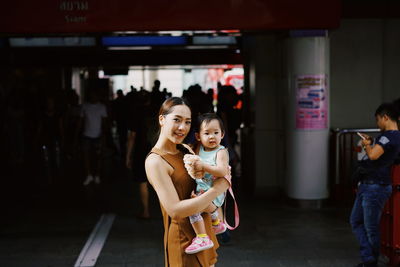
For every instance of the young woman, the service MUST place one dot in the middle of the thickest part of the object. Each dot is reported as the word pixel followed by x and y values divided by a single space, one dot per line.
pixel 166 173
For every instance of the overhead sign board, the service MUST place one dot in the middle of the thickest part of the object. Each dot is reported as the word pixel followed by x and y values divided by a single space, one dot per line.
pixel 93 16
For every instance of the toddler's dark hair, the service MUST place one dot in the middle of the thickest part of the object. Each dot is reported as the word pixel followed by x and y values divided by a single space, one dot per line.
pixel 206 118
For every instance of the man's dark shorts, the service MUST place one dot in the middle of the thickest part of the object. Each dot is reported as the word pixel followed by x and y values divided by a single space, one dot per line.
pixel 91 145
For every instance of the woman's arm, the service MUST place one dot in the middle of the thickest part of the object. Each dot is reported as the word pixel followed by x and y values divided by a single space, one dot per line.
pixel 219 170
pixel 159 174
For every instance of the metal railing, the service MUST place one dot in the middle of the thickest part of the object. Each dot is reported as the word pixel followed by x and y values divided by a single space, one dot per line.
pixel 345 151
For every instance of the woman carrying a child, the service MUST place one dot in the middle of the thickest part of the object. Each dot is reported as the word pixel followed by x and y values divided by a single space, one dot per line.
pixel 167 174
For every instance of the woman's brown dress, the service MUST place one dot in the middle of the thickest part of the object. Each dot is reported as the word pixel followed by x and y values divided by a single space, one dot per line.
pixel 178 233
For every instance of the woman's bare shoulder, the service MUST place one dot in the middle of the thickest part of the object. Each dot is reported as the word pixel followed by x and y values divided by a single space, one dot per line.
pixel 153 157
pixel 156 162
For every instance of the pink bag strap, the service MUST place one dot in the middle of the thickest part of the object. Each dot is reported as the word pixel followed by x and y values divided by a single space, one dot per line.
pixel 237 217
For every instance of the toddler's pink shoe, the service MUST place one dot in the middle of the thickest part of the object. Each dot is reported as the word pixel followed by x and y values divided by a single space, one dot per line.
pixel 199 244
pixel 219 228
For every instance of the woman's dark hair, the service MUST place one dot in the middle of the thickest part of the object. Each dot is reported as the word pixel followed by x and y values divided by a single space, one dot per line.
pixel 183 149
pixel 168 104
pixel 389 110
pixel 206 118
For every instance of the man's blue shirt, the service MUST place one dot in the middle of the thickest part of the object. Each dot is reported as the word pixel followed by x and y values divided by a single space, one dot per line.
pixel 379 170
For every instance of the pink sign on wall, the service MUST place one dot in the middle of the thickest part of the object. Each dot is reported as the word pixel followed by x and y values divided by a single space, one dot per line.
pixel 311 102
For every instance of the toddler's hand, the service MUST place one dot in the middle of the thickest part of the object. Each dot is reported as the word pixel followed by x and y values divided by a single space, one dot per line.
pixel 190 162
pixel 198 165
pixel 189 158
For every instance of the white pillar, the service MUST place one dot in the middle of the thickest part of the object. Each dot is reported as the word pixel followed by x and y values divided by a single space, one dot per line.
pixel 307 120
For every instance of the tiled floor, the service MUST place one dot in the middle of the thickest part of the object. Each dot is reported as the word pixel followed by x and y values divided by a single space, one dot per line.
pixel 271 234
pixel 52 230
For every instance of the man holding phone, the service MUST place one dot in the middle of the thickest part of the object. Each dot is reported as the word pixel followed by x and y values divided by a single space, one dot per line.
pixel 374 185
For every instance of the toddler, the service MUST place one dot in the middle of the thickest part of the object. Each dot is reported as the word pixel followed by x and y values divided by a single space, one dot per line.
pixel 215 163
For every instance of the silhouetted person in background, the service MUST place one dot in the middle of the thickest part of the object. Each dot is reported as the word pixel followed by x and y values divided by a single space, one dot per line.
pixel 119 108
pixel 156 97
pixel 50 138
pixel 138 146
pixel 210 100
pixel 197 100
pixel 14 128
pixel 164 93
pixel 130 96
pixel 71 120
pixel 93 118
pixel 227 101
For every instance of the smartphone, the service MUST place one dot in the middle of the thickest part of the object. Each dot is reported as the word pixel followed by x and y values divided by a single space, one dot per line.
pixel 360 135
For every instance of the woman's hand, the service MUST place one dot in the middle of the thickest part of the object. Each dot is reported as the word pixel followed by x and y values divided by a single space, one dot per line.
pixel 210 208
pixel 228 176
